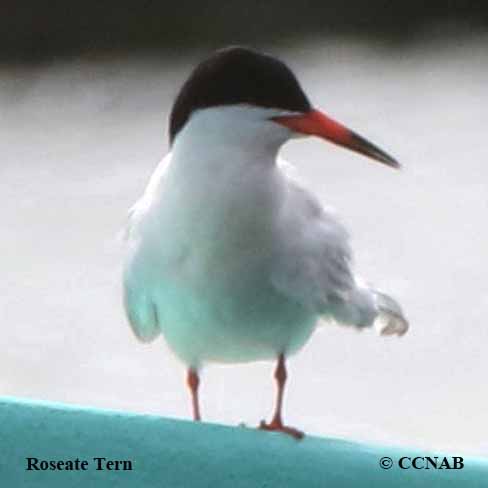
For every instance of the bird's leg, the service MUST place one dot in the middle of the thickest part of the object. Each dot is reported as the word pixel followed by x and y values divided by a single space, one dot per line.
pixel 277 422
pixel 193 381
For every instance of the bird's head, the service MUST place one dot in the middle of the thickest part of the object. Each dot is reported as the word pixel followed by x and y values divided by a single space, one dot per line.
pixel 239 93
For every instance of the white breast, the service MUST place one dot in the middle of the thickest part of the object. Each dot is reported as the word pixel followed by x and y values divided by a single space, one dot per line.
pixel 202 241
pixel 230 258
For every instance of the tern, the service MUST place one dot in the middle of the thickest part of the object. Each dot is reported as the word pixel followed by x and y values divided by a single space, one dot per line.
pixel 228 255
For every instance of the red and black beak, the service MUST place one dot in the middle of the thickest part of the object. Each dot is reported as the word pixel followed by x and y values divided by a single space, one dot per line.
pixel 316 123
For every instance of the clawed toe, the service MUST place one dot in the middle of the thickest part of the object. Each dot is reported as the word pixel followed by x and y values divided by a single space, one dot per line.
pixel 279 427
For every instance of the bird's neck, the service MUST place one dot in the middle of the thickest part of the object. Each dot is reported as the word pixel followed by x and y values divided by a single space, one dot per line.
pixel 227 139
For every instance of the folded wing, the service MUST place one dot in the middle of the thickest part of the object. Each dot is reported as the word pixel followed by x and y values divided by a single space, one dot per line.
pixel 313 267
pixel 138 303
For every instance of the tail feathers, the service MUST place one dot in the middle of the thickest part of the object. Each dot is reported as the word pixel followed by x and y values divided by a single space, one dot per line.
pixel 390 319
pixel 365 307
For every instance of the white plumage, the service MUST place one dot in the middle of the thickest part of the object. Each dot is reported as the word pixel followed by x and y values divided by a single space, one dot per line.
pixel 230 258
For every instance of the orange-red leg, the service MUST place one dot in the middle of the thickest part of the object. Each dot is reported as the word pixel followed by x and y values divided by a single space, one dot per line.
pixel 277 421
pixel 193 381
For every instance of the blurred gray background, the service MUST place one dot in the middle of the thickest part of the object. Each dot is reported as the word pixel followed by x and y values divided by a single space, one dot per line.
pixel 85 92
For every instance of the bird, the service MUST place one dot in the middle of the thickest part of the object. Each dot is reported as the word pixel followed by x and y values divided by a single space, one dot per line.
pixel 228 255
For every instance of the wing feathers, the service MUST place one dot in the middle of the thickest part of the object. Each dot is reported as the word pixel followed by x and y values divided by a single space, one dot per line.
pixel 142 315
pixel 313 267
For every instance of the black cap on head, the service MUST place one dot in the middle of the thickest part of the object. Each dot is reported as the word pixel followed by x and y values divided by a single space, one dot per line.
pixel 236 75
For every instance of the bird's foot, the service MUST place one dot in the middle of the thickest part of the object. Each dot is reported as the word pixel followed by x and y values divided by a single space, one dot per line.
pixel 278 426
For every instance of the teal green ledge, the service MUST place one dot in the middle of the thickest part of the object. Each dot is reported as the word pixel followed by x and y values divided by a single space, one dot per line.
pixel 172 453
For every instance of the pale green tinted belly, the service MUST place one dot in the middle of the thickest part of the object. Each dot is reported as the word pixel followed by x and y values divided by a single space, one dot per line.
pixel 233 325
